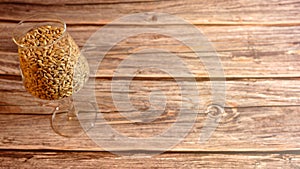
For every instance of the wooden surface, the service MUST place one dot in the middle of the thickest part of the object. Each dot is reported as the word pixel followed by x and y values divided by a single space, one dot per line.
pixel 259 47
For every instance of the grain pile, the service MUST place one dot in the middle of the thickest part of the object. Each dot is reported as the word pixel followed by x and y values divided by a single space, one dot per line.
pixel 51 63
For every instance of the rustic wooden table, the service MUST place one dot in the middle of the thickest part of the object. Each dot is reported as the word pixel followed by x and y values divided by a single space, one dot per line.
pixel 259 47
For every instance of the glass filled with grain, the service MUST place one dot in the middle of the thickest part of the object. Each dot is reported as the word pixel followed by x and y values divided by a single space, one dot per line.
pixel 52 67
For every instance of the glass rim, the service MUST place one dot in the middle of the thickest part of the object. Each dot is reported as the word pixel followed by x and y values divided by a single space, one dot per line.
pixel 44 18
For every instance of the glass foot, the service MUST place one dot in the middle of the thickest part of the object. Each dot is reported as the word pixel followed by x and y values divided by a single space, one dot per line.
pixel 66 124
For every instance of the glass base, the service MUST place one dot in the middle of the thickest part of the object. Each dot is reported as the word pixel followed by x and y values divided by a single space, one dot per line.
pixel 66 124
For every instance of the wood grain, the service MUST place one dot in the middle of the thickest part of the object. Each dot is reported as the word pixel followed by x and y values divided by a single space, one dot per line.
pixel 197 12
pixel 242 93
pixel 257 42
pixel 169 160
pixel 241 129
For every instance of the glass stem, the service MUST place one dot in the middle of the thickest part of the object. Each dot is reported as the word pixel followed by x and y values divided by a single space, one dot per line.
pixel 64 119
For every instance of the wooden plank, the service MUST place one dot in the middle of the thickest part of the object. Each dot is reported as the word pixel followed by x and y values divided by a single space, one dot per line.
pixel 241 129
pixel 168 160
pixel 70 2
pixel 243 51
pixel 197 12
pixel 242 93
